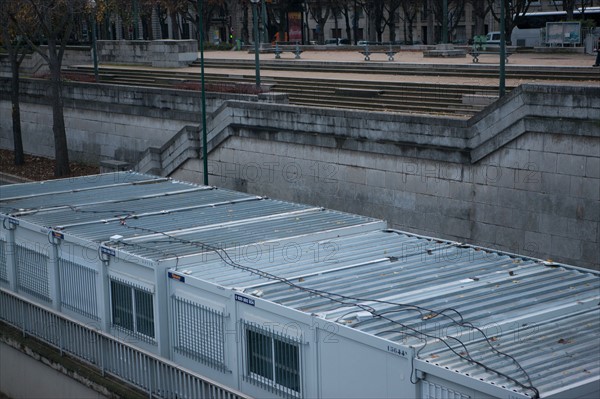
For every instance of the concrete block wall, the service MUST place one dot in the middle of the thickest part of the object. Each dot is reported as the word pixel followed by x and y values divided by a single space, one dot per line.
pixel 92 135
pixel 104 121
pixel 522 177
pixel 34 64
pixel 534 197
pixel 157 53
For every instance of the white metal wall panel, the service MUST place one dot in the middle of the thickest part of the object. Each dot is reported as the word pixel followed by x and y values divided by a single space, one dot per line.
pixel 32 272
pixel 434 391
pixel 3 272
pixel 199 333
pixel 78 288
pixel 150 373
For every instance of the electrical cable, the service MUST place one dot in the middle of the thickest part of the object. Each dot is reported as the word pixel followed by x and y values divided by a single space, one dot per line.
pixel 349 300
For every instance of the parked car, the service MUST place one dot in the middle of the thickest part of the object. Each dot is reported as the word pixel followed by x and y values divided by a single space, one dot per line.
pixel 492 39
pixel 336 41
pixel 366 42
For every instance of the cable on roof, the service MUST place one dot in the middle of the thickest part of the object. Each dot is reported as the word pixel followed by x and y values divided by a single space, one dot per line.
pixel 349 300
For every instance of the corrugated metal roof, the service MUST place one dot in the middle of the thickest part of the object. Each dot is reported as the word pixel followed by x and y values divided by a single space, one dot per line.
pixel 179 216
pixel 73 184
pixel 401 268
pixel 243 231
pixel 411 290
pixel 424 292
pixel 556 354
pixel 103 195
pixel 158 218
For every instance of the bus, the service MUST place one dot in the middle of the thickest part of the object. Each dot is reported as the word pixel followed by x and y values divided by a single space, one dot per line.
pixel 530 28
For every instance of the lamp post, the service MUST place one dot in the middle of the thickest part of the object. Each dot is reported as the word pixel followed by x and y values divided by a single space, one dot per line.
pixel 202 91
pixel 502 82
pixel 136 17
pixel 445 21
pixel 94 47
pixel 355 23
pixel 256 39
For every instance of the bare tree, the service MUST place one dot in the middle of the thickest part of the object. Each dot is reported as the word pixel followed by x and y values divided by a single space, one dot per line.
pixel 512 8
pixel 392 7
pixel 456 10
pixel 16 48
pixel 320 10
pixel 375 11
pixel 568 6
pixel 480 11
pixel 344 8
pixel 55 19
pixel 410 9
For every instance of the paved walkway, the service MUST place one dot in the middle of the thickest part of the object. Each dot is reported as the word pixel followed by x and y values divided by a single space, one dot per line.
pixel 403 58
pixel 409 58
pixel 416 57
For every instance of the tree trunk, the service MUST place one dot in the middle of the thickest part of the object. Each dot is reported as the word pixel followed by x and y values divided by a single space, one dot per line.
pixel 430 23
pixel 175 26
pixel 16 112
pixel 335 26
pixel 321 32
pixel 61 152
pixel 479 25
pixel 282 28
pixel 372 34
pixel 348 25
pixel 569 7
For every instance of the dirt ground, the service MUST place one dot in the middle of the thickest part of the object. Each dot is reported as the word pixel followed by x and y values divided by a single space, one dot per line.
pixel 39 168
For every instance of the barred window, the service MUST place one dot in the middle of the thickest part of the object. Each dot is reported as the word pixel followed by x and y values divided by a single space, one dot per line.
pixel 32 272
pixel 3 271
pixel 132 308
pixel 199 333
pixel 78 288
pixel 272 360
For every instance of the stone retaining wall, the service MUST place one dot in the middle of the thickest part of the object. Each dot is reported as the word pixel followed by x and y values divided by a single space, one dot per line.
pixel 522 176
pixel 158 53
pixel 104 121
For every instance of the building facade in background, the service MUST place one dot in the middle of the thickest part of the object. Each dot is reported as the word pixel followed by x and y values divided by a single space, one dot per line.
pixel 316 21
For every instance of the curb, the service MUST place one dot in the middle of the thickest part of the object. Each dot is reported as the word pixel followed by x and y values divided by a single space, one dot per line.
pixel 13 179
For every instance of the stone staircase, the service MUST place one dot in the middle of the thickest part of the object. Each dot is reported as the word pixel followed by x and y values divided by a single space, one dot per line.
pixel 445 139
pixel 186 144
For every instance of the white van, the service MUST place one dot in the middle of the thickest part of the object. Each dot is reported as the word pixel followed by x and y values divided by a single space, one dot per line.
pixel 492 39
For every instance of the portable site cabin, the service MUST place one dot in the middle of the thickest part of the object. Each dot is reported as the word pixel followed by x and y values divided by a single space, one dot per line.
pixel 278 299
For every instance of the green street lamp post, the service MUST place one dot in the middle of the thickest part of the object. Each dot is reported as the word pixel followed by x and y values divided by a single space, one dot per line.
pixel 136 17
pixel 502 82
pixel 445 21
pixel 265 30
pixel 202 91
pixel 256 39
pixel 94 47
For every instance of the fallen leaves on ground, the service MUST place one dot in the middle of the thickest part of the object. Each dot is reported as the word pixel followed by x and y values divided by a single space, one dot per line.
pixel 40 168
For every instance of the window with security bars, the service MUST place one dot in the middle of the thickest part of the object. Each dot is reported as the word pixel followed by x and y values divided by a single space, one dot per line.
pixel 3 266
pixel 199 333
pixel 32 272
pixel 272 361
pixel 132 309
pixel 434 391
pixel 78 288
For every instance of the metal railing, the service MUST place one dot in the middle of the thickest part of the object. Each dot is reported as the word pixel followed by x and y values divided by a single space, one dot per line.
pixel 159 378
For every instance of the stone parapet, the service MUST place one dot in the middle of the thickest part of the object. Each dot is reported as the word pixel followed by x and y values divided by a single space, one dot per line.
pixel 157 53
